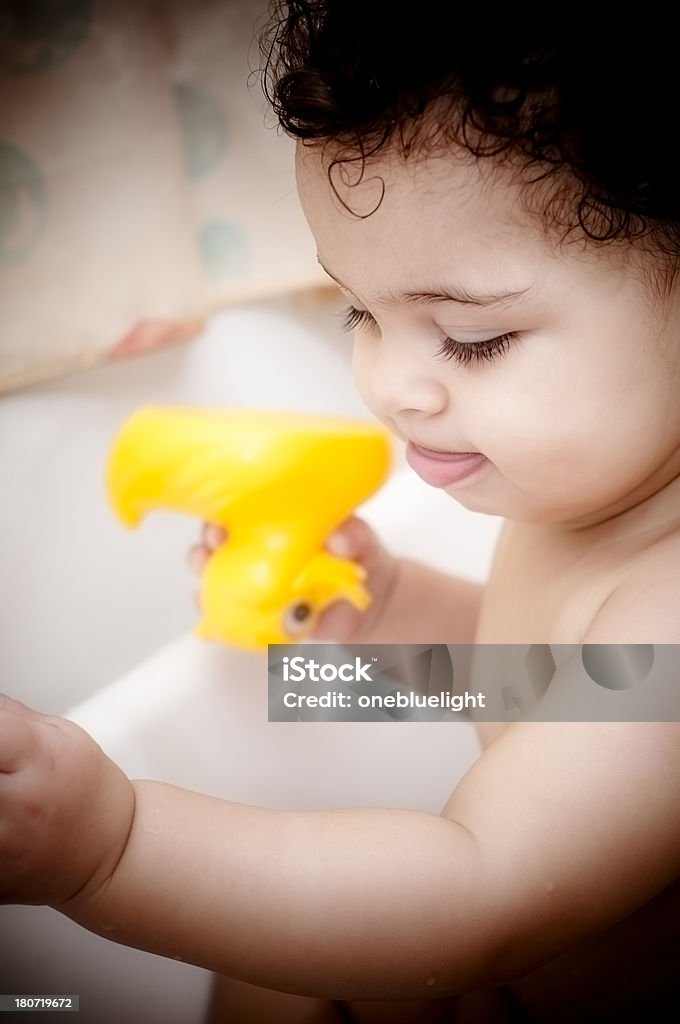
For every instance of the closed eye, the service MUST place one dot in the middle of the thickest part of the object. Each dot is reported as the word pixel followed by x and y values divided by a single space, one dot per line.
pixel 478 351
pixel 353 318
pixel 463 353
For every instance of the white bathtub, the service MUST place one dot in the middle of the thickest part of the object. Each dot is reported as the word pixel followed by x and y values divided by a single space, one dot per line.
pixel 195 714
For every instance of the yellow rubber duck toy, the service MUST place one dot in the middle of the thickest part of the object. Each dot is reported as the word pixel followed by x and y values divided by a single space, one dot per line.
pixel 279 482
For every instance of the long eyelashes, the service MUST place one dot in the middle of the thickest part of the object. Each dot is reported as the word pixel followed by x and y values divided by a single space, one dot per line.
pixel 353 318
pixel 464 355
pixel 480 351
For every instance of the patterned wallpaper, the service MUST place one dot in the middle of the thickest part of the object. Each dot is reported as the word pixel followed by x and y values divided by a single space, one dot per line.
pixel 143 184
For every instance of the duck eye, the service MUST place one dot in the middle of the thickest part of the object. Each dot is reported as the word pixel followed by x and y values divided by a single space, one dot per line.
pixel 297 617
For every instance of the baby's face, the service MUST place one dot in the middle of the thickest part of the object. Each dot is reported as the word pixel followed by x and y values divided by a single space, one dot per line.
pixel 577 417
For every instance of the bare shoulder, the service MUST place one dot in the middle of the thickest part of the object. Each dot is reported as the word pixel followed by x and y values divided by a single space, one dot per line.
pixel 644 605
pixel 577 826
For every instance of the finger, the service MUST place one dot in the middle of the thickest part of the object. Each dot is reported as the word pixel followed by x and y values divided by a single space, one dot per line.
pixel 353 538
pixel 16 707
pixel 17 738
pixel 338 622
pixel 197 557
pixel 213 536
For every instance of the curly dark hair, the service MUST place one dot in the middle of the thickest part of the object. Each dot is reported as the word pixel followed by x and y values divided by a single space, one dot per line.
pixel 590 115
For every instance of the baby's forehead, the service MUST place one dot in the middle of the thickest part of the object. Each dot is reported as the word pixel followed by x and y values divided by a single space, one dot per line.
pixel 441 192
pixel 423 211
pixel 448 216
pixel 423 178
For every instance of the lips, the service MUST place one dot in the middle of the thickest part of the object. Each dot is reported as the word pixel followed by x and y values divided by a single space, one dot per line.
pixel 440 468
pixel 436 453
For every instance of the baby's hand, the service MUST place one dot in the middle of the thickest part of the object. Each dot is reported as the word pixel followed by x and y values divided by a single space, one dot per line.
pixel 65 809
pixel 353 539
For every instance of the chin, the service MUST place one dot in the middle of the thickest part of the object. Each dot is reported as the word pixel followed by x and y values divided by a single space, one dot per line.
pixel 513 506
pixel 476 502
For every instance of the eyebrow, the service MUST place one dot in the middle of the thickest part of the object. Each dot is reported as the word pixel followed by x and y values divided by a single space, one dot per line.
pixel 456 294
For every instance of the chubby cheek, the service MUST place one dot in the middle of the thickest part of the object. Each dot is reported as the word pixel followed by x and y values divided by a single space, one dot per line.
pixel 542 427
pixel 569 439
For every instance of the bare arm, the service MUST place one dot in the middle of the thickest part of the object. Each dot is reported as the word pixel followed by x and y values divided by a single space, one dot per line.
pixel 555 833
pixel 429 607
pixel 363 903
pixel 558 831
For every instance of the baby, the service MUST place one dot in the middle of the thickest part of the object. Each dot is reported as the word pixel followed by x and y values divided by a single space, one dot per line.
pixel 499 217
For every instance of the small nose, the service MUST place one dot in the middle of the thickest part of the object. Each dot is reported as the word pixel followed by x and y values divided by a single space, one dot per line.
pixel 398 376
